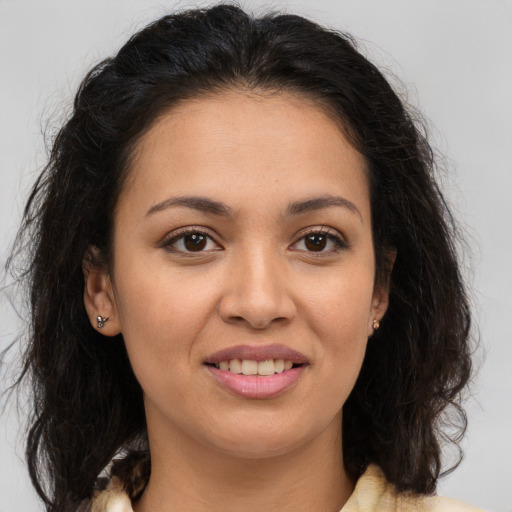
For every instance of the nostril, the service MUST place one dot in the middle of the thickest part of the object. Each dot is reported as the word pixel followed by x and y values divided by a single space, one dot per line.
pixel 256 310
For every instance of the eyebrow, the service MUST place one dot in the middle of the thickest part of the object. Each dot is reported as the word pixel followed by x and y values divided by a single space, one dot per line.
pixel 319 203
pixel 207 205
pixel 202 204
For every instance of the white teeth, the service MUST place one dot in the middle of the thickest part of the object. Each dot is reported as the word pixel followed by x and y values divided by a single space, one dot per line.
pixel 251 367
pixel 235 366
pixel 266 367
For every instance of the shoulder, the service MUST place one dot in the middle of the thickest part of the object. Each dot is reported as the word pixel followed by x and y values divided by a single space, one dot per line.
pixel 373 493
pixel 441 504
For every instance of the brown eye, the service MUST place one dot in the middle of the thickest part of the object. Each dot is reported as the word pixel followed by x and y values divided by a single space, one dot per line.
pixel 315 242
pixel 320 242
pixel 195 242
pixel 190 242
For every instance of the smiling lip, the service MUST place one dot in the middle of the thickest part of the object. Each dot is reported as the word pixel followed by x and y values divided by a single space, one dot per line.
pixel 257 353
pixel 257 386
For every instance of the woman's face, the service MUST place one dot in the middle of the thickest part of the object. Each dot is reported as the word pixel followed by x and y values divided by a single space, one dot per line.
pixel 243 243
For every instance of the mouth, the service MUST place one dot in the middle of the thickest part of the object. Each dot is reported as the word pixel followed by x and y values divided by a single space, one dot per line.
pixel 257 371
pixel 252 367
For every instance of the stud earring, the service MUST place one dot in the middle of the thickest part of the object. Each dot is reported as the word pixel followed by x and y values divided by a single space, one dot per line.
pixel 100 321
pixel 376 324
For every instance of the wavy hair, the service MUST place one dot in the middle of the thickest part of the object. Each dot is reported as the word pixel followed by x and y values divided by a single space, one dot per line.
pixel 87 405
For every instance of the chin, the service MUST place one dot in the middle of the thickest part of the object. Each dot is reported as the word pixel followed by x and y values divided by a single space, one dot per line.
pixel 260 449
pixel 262 440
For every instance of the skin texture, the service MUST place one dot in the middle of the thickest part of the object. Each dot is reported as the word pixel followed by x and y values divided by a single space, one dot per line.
pixel 255 282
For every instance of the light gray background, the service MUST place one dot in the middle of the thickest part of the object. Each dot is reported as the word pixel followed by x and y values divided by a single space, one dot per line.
pixel 455 57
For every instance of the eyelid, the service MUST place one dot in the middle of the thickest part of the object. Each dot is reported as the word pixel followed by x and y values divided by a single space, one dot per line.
pixel 334 234
pixel 173 236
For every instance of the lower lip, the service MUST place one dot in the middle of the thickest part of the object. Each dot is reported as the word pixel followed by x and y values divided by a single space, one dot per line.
pixel 254 386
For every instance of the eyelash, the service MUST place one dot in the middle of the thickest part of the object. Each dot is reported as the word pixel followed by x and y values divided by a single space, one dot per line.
pixel 339 243
pixel 168 242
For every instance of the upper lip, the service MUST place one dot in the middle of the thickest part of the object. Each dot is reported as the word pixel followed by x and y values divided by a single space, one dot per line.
pixel 257 353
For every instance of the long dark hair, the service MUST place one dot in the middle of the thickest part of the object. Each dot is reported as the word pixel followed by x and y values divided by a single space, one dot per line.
pixel 87 404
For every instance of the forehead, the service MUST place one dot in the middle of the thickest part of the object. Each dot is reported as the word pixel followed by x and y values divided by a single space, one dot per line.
pixel 235 143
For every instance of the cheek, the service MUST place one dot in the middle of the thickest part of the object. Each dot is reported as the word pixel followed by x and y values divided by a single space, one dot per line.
pixel 162 315
pixel 340 307
pixel 339 315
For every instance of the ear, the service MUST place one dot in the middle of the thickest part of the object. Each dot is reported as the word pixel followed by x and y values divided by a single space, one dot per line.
pixel 380 298
pixel 99 299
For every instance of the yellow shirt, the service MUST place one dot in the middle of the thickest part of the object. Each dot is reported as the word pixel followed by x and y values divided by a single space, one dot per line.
pixel 373 493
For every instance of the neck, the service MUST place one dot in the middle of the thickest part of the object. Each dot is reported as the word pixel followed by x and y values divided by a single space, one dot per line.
pixel 188 476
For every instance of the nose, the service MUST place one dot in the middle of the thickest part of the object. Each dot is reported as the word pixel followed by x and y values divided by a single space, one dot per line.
pixel 256 292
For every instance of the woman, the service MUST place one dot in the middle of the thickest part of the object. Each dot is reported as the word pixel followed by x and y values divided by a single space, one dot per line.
pixel 243 281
